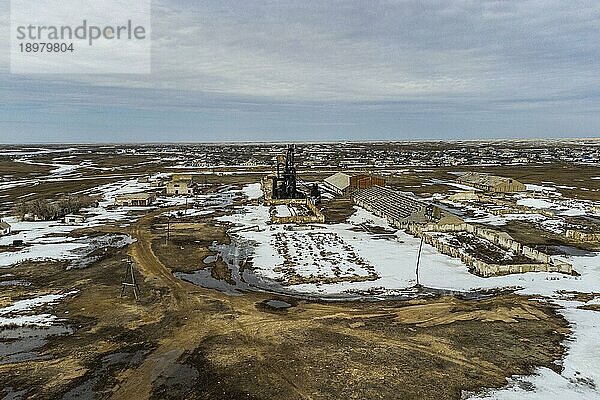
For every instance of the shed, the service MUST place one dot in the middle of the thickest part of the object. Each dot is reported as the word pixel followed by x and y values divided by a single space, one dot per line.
pixel 4 228
pixel 74 219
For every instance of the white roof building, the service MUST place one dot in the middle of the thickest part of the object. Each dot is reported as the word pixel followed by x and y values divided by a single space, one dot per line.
pixel 339 182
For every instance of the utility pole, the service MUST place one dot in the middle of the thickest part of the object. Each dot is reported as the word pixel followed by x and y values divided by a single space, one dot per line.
pixel 419 259
pixel 168 229
pixel 130 275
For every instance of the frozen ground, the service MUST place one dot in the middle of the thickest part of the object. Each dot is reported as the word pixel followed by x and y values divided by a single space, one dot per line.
pixel 393 258
pixel 581 371
pixel 535 203
pixel 552 204
pixel 252 191
pixel 49 240
pixel 282 211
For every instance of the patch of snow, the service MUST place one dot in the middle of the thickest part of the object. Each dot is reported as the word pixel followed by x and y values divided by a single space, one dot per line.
pixel 19 313
pixel 253 191
pixel 573 212
pixel 282 211
pixel 28 320
pixel 192 212
pixel 539 188
pixel 535 203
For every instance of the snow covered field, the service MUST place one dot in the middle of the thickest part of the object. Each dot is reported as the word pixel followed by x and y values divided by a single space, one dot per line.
pixel 309 259
pixel 394 259
pixel 580 376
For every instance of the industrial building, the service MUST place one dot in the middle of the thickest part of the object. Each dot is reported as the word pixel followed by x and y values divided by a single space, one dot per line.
pixel 491 183
pixel 135 199
pixel 343 184
pixel 281 191
pixel 284 183
pixel 399 208
pixel 451 235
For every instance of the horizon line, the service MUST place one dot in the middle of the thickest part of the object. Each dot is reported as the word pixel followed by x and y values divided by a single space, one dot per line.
pixel 372 141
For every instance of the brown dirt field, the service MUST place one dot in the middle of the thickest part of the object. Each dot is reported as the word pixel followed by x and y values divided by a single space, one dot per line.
pixel 21 170
pixel 337 209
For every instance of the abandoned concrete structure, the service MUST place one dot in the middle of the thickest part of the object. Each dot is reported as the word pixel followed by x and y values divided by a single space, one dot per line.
pixel 491 183
pixel 422 219
pixel 135 199
pixel 497 206
pixel 343 184
pixel 469 195
pixel 538 260
pixel 312 216
pixel 583 236
pixel 312 213
pixel 180 187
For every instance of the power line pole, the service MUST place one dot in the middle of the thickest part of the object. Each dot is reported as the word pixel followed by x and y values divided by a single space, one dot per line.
pixel 130 275
pixel 419 259
pixel 168 229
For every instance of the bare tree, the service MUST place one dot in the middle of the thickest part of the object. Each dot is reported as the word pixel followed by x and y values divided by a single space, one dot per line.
pixel 47 210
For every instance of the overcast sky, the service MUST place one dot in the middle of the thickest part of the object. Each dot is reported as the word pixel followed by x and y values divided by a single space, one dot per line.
pixel 328 70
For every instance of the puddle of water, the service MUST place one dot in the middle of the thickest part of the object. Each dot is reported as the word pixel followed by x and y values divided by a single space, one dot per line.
pixel 85 390
pixel 15 283
pixel 204 279
pixel 19 344
pixel 235 256
pixel 278 304
pixel 11 394
pixel 210 259
pixel 572 251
